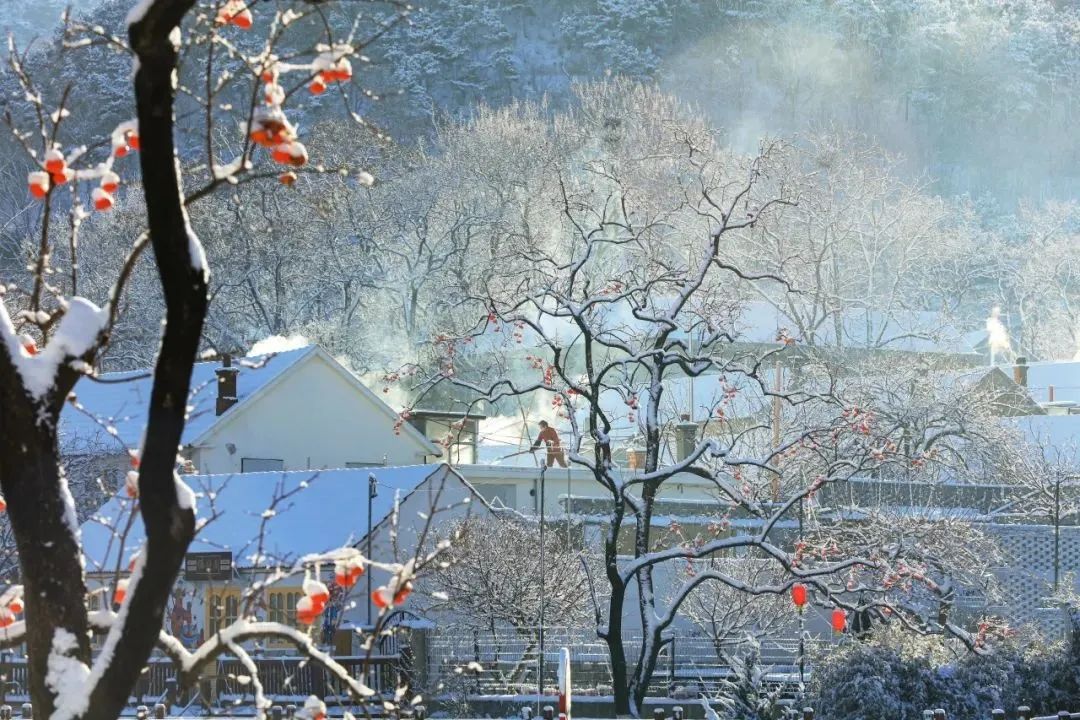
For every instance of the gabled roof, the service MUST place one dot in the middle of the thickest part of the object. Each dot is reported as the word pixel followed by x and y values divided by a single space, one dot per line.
pixel 1006 397
pixel 327 509
pixel 118 402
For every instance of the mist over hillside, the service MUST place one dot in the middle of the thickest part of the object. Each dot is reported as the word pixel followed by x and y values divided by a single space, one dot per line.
pixel 983 97
pixel 967 106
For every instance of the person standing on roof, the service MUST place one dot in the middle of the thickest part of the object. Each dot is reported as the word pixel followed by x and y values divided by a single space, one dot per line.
pixel 549 437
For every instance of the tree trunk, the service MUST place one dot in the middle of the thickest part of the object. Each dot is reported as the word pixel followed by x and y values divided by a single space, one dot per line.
pixel 616 651
pixel 616 603
pixel 43 519
pixel 170 525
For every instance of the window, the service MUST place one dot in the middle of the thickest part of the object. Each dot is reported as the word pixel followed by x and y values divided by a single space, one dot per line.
pixel 222 610
pixel 208 566
pixel 455 433
pixel 283 606
pixel 261 465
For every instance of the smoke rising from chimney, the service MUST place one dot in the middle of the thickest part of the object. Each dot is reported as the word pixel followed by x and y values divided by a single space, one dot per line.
pixel 998 335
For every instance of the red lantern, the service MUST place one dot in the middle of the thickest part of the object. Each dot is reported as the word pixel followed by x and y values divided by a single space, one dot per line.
pixel 3 504
pixel 839 620
pixel 121 592
pixel 798 595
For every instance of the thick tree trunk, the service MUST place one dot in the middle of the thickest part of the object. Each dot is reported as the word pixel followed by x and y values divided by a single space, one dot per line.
pixel 616 604
pixel 43 521
pixel 170 525
pixel 616 651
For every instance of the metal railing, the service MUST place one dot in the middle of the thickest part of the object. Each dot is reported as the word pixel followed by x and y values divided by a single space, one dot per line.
pixel 507 663
pixel 225 681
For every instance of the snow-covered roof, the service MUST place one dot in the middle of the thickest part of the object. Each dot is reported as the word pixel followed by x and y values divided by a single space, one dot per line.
pixel 118 402
pixel 1064 377
pixel 327 510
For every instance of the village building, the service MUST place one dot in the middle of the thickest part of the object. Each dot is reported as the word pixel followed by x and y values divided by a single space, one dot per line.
pixel 256 524
pixel 294 410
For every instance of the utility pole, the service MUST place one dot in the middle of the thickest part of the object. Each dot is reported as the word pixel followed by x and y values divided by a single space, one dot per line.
pixel 543 594
pixel 1057 531
pixel 802 617
pixel 372 492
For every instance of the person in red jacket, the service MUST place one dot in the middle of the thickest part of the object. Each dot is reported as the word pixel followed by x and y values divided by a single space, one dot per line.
pixel 550 438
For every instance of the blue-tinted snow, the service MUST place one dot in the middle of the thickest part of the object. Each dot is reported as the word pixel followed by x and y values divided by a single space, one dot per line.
pixel 1063 376
pixel 121 401
pixel 329 513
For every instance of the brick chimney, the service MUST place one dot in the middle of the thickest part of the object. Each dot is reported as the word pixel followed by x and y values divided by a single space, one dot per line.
pixel 226 384
pixel 1020 372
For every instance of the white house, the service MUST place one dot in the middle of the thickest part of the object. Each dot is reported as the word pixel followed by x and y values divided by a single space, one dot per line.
pixel 295 410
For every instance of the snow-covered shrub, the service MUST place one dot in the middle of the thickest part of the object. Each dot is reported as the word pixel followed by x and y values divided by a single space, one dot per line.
pixel 873 681
pixel 890 678
pixel 746 695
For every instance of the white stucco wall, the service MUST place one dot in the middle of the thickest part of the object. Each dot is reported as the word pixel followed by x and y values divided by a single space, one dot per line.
pixel 312 418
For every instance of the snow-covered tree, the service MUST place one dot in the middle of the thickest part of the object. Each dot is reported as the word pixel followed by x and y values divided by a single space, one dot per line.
pixel 250 68
pixel 491 578
pixel 635 289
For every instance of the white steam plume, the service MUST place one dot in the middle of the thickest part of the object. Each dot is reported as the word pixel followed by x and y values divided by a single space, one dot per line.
pixel 997 334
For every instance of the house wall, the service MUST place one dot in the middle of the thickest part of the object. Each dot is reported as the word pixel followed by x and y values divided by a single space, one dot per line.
pixel 312 418
pixel 453 500
pixel 517 488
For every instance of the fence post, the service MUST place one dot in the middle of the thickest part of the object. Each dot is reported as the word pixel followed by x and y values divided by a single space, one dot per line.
pixel 671 667
pixel 677 713
pixel 527 712
pixel 171 691
pixel 939 714
pixel 659 714
pixel 5 712
pixel 549 712
pixel 1023 712
pixel 142 712
pixel 27 711
pixel 276 712
pixel 290 711
pixel 159 711
pixel 808 713
pixel 1064 715
pixel 420 712
pixel 997 714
